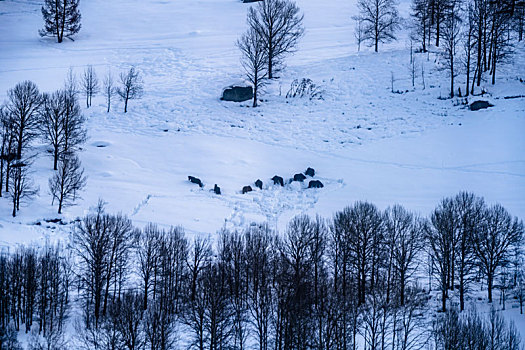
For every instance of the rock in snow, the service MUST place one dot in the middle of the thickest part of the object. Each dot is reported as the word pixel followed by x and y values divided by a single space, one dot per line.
pixel 237 93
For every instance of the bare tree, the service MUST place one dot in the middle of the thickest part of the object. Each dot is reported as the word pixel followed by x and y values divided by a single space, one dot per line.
pixel 469 45
pixel 404 233
pixel 109 88
pixel 73 125
pixel 7 151
pixel 67 182
pixel 469 210
pixel 422 20
pixel 279 26
pixel 24 103
pixel 441 245
pixel 259 255
pixel 358 31
pixel 128 315
pixel 380 21
pixel 102 244
pixel 131 87
pixel 51 122
pixel 90 84
pixel 21 186
pixel 61 19
pixel 254 60
pixel 62 124
pixel 493 242
pixel 451 34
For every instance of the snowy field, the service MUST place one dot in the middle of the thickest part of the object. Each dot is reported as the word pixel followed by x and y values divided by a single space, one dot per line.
pixel 365 142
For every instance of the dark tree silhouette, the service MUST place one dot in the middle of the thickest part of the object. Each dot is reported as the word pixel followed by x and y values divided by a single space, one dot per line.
pixel 380 21
pixel 67 182
pixel 24 103
pixel 279 25
pixel 131 87
pixel 90 84
pixel 61 19
pixel 254 60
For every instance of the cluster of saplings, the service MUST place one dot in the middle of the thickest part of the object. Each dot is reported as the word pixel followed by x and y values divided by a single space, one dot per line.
pixel 56 119
pixel 322 284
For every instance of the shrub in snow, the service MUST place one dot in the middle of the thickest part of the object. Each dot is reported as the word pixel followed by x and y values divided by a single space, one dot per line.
pixel 305 88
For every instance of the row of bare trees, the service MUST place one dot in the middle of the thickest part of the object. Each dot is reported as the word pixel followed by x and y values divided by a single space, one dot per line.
pixel 476 36
pixel 319 285
pixel 131 86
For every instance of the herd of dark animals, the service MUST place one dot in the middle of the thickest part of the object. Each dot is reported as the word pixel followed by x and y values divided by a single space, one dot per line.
pixel 277 180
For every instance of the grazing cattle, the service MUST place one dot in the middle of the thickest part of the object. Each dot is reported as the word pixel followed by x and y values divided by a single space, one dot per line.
pixel 277 180
pixel 299 177
pixel 246 189
pixel 259 184
pixel 315 184
pixel 310 172
pixel 216 189
pixel 195 180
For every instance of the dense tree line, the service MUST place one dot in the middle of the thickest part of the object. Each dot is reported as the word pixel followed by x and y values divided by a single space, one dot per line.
pixel 476 36
pixel 319 285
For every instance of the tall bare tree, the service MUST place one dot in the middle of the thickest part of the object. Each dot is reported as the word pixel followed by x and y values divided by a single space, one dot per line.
pixel 132 86
pixel 441 245
pixel 380 21
pixel 7 151
pixel 109 88
pixel 67 182
pixel 254 60
pixel 451 34
pixel 493 242
pixel 21 186
pixel 279 25
pixel 24 103
pixel 90 84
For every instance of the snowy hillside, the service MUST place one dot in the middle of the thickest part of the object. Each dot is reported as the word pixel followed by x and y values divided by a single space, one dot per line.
pixel 376 135
pixel 365 142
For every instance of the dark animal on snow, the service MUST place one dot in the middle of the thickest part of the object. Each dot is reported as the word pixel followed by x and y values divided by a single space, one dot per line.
pixel 277 180
pixel 195 180
pixel 216 189
pixel 299 177
pixel 310 172
pixel 477 105
pixel 315 184
pixel 246 189
pixel 259 184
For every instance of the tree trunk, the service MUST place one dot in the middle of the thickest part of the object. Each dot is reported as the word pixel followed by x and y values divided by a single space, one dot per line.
pixel 489 286
pixel 55 159
pixel 255 95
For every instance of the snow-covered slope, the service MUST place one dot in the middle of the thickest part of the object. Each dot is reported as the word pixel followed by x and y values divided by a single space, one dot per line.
pixel 365 142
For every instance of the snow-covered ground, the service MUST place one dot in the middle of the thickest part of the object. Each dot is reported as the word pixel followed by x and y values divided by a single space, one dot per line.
pixel 365 142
